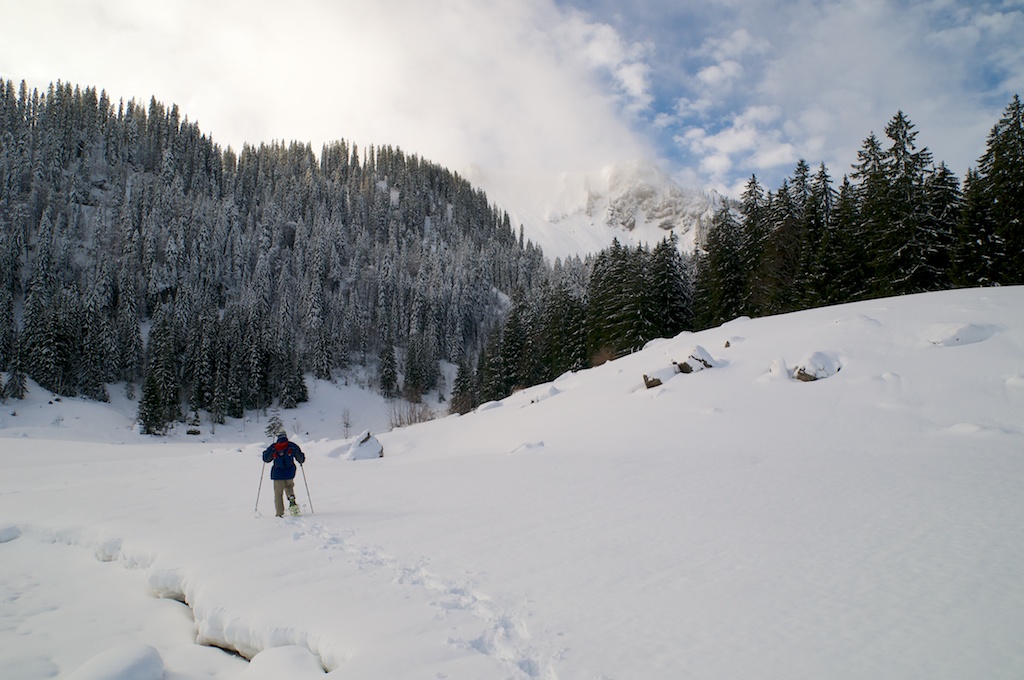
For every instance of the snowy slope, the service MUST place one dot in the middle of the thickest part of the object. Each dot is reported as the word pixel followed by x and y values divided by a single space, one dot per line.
pixel 580 213
pixel 732 522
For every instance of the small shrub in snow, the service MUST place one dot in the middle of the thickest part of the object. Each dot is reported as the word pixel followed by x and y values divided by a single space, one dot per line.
pixel 602 356
pixel 402 413
pixel 274 425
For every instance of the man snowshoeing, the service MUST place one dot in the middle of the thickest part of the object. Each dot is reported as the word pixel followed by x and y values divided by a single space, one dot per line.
pixel 284 454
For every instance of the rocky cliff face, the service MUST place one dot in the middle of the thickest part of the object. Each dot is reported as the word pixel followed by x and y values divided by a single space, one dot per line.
pixel 640 195
pixel 580 213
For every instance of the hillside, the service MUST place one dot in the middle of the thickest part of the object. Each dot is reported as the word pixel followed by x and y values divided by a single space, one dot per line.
pixel 138 250
pixel 730 522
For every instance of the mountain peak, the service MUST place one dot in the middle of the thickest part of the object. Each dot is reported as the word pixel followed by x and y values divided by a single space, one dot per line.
pixel 578 213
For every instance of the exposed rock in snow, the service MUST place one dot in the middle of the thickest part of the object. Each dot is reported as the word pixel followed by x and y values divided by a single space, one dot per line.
pixel 652 381
pixel 697 360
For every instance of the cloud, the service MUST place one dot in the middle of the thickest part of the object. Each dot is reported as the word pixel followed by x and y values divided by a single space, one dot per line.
pixel 549 85
pixel 721 74
pixel 505 85
pixel 736 45
pixel 749 141
pixel 832 72
pixel 604 51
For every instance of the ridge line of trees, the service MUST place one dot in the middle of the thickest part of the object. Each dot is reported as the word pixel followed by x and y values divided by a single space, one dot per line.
pixel 135 250
pixel 897 224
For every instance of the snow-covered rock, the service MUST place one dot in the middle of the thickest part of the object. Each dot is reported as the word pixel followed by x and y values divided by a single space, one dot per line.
pixel 365 447
pixel 817 366
pixel 697 359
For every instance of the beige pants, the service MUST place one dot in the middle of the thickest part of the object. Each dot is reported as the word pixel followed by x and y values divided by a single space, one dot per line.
pixel 282 488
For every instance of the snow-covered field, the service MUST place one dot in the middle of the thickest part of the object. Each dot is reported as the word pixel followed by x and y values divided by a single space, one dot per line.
pixel 732 522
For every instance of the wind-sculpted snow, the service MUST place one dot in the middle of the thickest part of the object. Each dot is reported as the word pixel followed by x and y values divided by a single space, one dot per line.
pixel 9 533
pixel 730 523
pixel 291 662
pixel 129 662
pixel 949 335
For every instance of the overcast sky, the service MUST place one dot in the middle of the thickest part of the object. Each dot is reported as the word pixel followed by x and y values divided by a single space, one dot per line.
pixel 714 90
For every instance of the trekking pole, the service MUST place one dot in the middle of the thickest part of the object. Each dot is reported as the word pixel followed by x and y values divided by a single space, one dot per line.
pixel 259 488
pixel 303 468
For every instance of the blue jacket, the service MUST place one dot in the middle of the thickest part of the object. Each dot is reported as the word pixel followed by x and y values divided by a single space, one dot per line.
pixel 283 454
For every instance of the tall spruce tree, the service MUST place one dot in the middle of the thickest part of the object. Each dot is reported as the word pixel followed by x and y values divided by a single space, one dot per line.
pixel 160 404
pixel 388 374
pixel 942 205
pixel 871 183
pixel 491 370
pixel 720 278
pixel 464 398
pixel 819 249
pixel 784 248
pixel 904 241
pixel 17 382
pixel 562 329
pixel 755 235
pixel 670 290
pixel 978 249
pixel 516 347
pixel 1001 184
pixel 849 275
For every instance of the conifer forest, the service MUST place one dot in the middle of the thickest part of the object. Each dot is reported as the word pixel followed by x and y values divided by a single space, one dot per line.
pixel 138 253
